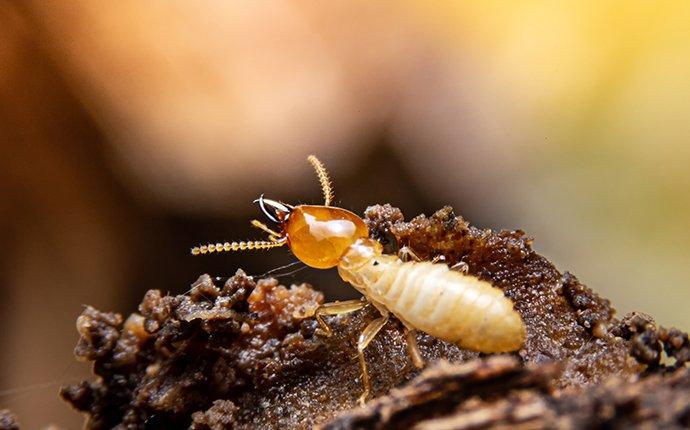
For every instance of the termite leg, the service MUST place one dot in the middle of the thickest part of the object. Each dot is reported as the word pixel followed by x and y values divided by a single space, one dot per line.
pixel 412 348
pixel 406 254
pixel 337 308
pixel 368 334
pixel 439 258
pixel 461 267
pixel 273 235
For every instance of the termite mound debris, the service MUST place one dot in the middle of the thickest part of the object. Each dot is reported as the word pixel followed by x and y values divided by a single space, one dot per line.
pixel 247 354
pixel 500 392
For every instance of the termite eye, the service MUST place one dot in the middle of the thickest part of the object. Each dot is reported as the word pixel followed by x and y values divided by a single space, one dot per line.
pixel 320 235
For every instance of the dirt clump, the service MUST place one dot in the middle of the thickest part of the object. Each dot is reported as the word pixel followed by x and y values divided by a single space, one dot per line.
pixel 248 354
pixel 501 392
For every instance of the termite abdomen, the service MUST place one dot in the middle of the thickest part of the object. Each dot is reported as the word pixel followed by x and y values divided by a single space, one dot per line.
pixel 450 305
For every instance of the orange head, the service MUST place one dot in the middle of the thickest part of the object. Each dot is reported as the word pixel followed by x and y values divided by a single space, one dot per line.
pixel 317 235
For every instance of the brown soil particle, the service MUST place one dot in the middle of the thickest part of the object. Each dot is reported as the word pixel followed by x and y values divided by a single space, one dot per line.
pixel 649 340
pixel 248 354
pixel 220 416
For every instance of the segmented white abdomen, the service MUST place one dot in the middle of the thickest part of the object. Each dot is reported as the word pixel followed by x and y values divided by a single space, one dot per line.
pixel 430 297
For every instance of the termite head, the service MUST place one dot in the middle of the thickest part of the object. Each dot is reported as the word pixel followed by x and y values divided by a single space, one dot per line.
pixel 318 235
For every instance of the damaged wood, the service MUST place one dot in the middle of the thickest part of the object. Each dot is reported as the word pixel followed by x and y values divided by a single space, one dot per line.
pixel 500 392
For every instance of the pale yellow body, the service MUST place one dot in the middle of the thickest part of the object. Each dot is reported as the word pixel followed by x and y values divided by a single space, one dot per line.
pixel 432 298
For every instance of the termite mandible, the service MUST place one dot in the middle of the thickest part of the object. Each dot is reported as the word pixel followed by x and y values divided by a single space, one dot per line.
pixel 426 296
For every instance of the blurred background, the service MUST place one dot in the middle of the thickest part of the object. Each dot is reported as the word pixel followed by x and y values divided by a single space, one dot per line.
pixel 131 131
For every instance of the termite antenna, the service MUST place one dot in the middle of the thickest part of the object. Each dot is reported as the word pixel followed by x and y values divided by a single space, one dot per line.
pixel 237 246
pixel 325 181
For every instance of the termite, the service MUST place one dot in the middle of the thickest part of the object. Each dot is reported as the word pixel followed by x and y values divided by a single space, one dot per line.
pixel 427 296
